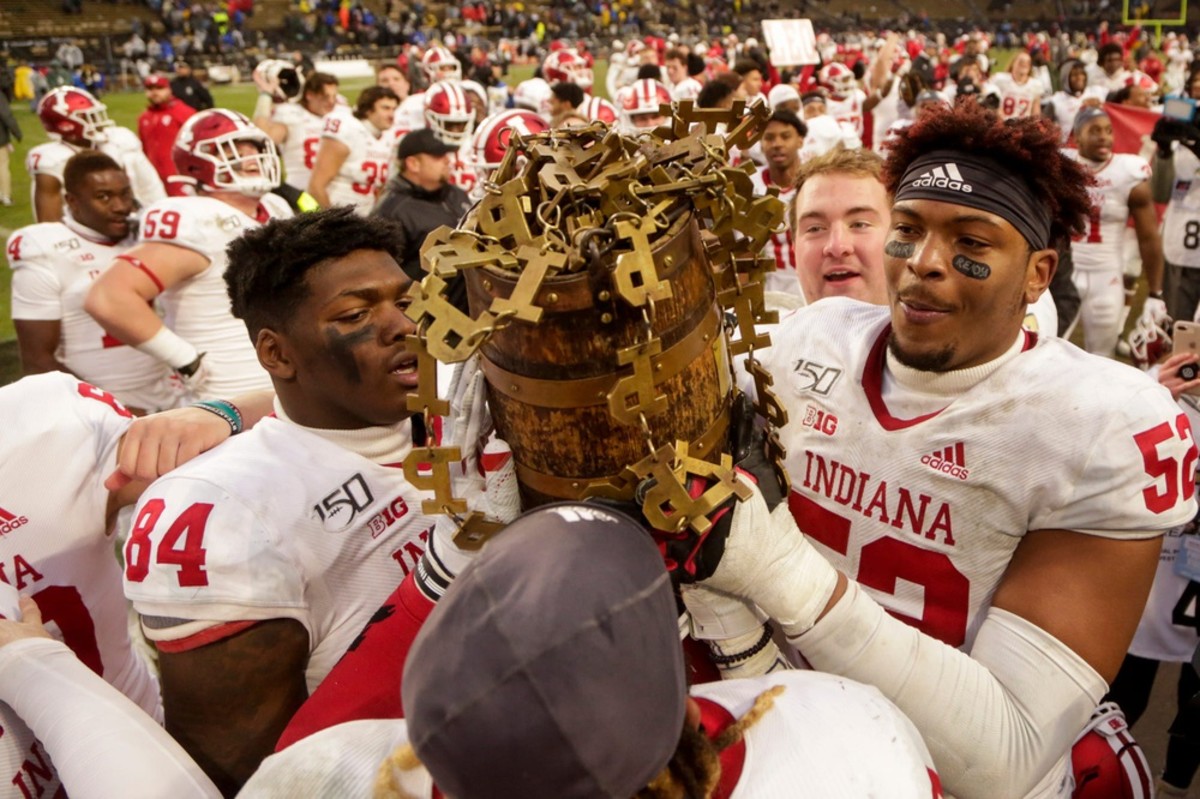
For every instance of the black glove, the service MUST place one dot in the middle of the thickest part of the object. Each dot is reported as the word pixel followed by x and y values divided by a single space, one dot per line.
pixel 1167 130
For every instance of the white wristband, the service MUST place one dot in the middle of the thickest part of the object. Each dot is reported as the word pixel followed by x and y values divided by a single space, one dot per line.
pixel 264 106
pixel 166 346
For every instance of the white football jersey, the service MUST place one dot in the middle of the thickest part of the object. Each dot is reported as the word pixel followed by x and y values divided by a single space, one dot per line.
pixel 1170 626
pixel 925 512
pixel 1181 223
pixel 123 146
pixel 823 736
pixel 60 442
pixel 779 246
pixel 1101 247
pixel 198 308
pixel 410 114
pixel 276 523
pixel 54 265
pixel 1067 105
pixel 1017 99
pixel 299 149
pixel 462 169
pixel 687 89
pixel 848 110
pixel 364 173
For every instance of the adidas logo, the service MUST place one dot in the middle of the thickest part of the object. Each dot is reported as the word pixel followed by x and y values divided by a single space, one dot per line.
pixel 943 177
pixel 10 521
pixel 950 460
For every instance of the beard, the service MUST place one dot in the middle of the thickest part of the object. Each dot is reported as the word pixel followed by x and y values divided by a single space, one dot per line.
pixel 936 361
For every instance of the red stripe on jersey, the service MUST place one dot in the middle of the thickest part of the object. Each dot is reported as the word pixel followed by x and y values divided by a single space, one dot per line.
pixel 872 381
pixel 5 516
pixel 714 719
pixel 138 264
pixel 204 637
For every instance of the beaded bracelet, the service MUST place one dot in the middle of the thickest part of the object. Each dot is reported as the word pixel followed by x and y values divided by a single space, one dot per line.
pixel 226 410
pixel 726 660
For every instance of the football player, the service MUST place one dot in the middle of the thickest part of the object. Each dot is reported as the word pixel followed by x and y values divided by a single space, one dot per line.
pixel 253 569
pixel 75 121
pixel 1074 94
pixel 231 166
pixel 1020 92
pixel 845 101
pixel 781 141
pixel 296 127
pixel 1121 191
pixel 491 141
pixel 62 438
pixel 754 738
pixel 354 156
pixel 450 114
pixel 745 737
pixel 54 265
pixel 641 106
pixel 926 450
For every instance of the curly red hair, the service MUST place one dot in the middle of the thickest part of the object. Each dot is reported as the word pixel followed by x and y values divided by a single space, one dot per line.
pixel 1030 148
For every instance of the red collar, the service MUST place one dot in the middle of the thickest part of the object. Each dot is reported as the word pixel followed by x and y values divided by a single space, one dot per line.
pixel 714 719
pixel 872 382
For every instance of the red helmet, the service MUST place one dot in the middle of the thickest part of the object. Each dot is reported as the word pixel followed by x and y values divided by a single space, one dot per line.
pixel 447 106
pixel 1149 342
pixel 568 66
pixel 642 99
pixel 494 136
pixel 838 78
pixel 75 115
pixel 206 151
pixel 599 109
pixel 1107 761
pixel 438 63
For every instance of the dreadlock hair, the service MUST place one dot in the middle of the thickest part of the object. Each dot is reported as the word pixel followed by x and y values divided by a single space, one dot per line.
pixel 267 266
pixel 695 769
pixel 1028 147
pixel 692 773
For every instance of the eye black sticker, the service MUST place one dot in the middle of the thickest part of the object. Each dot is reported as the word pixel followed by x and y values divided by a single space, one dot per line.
pixel 973 269
pixel 899 249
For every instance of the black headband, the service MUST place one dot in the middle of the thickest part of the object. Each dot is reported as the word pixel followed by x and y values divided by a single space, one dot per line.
pixel 975 181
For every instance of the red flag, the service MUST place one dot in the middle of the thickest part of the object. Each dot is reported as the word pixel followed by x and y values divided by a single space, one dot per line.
pixel 1131 127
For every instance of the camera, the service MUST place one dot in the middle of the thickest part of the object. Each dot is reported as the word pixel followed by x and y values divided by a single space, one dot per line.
pixel 279 77
pixel 1181 108
pixel 1189 371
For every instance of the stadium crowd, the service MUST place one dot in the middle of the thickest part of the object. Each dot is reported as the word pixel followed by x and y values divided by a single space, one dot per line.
pixel 962 584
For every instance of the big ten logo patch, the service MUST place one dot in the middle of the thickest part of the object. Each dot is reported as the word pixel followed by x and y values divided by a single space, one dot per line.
pixel 819 420
pixel 394 512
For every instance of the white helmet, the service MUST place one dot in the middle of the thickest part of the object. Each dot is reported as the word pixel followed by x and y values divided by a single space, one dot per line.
pixel 642 99
pixel 1148 342
pixel 206 154
pixel 438 63
pixel 448 112
pixel 533 95
pixel 493 138
pixel 597 109
pixel 568 66
pixel 838 78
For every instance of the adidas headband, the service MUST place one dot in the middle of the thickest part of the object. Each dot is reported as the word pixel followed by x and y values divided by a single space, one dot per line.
pixel 953 176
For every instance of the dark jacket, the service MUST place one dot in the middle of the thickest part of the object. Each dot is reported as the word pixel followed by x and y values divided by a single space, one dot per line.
pixel 192 92
pixel 9 129
pixel 419 213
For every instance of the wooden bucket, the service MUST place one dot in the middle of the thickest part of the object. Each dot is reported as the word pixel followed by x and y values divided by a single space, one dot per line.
pixel 548 382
